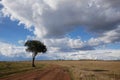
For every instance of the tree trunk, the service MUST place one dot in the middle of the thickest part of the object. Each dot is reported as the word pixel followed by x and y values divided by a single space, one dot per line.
pixel 33 64
pixel 34 54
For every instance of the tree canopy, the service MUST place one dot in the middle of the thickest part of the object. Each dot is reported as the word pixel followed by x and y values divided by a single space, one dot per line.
pixel 35 47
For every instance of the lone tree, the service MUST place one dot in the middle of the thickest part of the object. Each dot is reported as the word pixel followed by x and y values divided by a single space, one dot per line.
pixel 35 47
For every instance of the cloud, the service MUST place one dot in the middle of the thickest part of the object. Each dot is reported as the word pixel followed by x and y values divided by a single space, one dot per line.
pixel 1 16
pixel 12 52
pixel 66 45
pixel 95 55
pixel 78 55
pixel 51 20
pixel 111 36
pixel 21 42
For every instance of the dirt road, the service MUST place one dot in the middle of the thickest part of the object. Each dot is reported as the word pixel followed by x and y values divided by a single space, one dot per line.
pixel 51 73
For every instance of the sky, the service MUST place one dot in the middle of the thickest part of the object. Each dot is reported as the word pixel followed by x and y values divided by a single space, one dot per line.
pixel 71 30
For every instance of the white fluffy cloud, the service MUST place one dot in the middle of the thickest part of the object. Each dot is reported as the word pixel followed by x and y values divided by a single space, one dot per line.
pixel 95 55
pixel 66 45
pixel 111 36
pixel 12 52
pixel 53 19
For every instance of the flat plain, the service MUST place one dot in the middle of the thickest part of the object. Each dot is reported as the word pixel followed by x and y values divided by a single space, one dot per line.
pixel 60 70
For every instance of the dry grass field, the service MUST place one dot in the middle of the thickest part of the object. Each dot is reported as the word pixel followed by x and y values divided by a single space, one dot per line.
pixel 79 70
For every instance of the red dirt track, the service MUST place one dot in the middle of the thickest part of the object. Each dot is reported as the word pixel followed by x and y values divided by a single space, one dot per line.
pixel 53 73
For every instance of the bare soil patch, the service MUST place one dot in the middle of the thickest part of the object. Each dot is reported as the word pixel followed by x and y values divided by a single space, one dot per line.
pixel 51 73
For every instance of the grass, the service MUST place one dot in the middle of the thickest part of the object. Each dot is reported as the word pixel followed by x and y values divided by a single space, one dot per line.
pixel 8 68
pixel 79 70
pixel 91 70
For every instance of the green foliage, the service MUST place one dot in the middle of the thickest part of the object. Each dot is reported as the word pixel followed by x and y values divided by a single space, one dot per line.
pixel 35 46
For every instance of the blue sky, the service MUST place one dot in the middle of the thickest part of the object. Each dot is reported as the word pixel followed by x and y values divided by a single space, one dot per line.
pixel 11 32
pixel 87 26
pixel 80 32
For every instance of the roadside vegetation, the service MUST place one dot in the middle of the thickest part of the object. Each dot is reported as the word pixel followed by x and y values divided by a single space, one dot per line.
pixel 79 70
pixel 10 68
